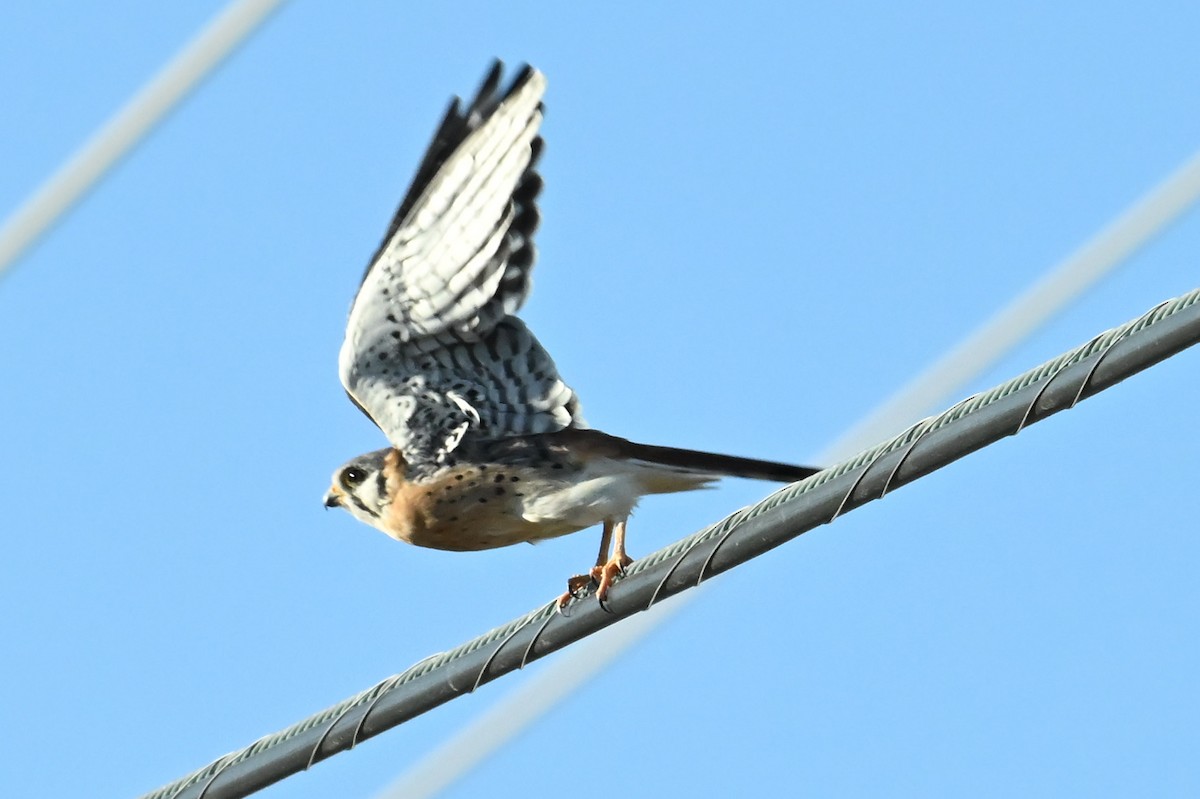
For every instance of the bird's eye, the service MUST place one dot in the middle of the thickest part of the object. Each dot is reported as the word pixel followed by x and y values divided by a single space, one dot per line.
pixel 353 476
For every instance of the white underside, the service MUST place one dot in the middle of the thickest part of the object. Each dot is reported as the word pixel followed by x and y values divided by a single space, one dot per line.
pixel 607 490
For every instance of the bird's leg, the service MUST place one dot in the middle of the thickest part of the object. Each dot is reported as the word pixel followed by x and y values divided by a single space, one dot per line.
pixel 612 568
pixel 605 544
pixel 579 582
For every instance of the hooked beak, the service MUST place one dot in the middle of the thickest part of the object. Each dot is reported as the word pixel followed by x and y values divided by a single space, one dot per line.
pixel 332 500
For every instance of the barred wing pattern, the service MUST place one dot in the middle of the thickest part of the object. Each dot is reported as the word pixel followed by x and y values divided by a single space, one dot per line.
pixel 432 352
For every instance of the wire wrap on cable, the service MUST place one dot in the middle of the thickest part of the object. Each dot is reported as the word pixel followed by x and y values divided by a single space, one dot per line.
pixel 928 445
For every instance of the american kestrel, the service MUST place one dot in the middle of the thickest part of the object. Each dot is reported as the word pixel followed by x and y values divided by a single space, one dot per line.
pixel 488 444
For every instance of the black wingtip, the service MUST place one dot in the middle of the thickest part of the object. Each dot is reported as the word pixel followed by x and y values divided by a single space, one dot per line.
pixel 485 97
pixel 457 123
pixel 488 96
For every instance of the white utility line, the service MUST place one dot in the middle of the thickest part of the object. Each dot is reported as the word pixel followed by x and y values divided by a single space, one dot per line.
pixel 1069 278
pixel 511 714
pixel 129 125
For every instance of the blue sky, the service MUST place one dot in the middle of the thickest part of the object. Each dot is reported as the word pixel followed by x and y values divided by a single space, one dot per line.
pixel 757 225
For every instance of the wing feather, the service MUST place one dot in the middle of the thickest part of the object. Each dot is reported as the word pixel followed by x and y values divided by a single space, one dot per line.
pixel 432 352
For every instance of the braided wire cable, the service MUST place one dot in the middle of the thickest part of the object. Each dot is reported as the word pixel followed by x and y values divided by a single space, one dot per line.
pixel 930 444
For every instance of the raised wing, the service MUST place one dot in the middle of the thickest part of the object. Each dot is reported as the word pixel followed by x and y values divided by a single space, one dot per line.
pixel 432 353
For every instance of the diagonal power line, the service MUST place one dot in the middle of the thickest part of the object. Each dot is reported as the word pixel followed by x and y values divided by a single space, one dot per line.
pixel 1132 229
pixel 1056 385
pixel 129 125
pixel 1136 226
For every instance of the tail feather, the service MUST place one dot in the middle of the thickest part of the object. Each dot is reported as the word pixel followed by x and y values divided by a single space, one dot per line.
pixel 689 460
pixel 714 463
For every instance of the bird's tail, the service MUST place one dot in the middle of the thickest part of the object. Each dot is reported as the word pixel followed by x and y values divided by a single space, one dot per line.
pixel 714 463
pixel 688 460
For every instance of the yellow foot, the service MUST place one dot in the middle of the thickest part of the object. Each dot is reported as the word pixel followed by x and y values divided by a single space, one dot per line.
pixel 606 574
pixel 575 587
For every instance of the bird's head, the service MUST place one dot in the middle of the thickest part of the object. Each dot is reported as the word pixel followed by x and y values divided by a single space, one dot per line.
pixel 361 487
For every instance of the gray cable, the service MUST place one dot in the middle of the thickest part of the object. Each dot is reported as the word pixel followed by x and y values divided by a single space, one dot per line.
pixel 928 445
pixel 1132 229
pixel 129 125
pixel 1096 257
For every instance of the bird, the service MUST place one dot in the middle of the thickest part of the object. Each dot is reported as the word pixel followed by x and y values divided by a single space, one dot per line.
pixel 488 445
